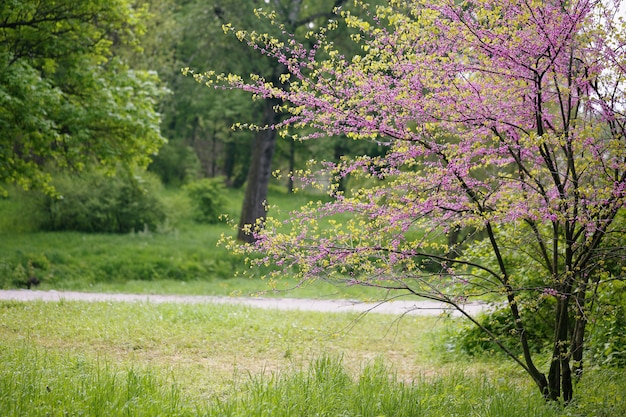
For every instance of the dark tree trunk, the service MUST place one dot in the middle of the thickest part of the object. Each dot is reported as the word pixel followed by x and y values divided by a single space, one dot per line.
pixel 254 210
pixel 560 375
pixel 214 153
pixel 201 148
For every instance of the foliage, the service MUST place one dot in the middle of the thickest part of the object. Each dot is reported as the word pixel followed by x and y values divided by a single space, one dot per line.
pixel 608 329
pixel 606 336
pixel 504 122
pixel 118 263
pixel 178 256
pixel 475 341
pixel 207 196
pixel 98 203
pixel 296 17
pixel 65 99
pixel 201 120
pixel 176 164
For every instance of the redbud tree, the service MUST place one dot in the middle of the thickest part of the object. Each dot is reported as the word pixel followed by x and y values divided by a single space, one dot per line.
pixel 505 177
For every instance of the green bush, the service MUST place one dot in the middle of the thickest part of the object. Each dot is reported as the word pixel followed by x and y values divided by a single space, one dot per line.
pixel 474 341
pixel 16 212
pixel 607 329
pixel 607 324
pixel 71 260
pixel 207 196
pixel 97 203
pixel 176 164
pixel 605 336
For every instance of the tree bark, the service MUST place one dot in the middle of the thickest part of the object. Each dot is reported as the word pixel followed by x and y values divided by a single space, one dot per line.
pixel 254 210
pixel 560 375
pixel 578 335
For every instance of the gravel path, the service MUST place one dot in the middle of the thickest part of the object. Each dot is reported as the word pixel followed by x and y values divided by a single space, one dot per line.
pixel 424 308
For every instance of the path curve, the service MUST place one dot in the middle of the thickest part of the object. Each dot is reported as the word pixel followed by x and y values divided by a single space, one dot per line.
pixel 397 307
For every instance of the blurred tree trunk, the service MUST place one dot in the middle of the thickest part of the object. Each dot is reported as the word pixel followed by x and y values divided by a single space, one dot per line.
pixel 255 198
pixel 253 211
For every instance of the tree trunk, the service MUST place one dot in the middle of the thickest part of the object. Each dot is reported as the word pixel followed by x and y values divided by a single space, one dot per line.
pixel 560 375
pixel 254 210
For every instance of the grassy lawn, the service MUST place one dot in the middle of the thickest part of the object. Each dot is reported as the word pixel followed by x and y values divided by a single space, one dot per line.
pixel 146 359
pixel 207 343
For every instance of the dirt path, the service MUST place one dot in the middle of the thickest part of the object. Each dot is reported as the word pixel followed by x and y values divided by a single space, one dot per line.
pixel 398 307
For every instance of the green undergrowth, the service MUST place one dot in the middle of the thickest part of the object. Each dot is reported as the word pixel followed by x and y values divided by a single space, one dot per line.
pixel 72 260
pixel 182 262
pixel 181 257
pixel 325 388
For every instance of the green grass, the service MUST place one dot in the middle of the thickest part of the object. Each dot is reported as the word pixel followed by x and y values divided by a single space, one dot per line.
pixel 137 359
pixel 207 341
pixel 35 382
pixel 184 262
pixel 326 389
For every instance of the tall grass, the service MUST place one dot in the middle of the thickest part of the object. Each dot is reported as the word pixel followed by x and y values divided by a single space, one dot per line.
pixel 327 389
pixel 120 359
pixel 36 382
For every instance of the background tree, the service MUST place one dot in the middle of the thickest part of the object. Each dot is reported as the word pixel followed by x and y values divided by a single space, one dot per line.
pixel 65 98
pixel 504 120
pixel 198 122
pixel 295 16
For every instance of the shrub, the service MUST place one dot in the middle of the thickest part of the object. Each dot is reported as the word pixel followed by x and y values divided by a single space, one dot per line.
pixel 97 203
pixel 607 324
pixel 176 164
pixel 474 341
pixel 23 270
pixel 607 342
pixel 207 196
